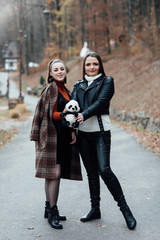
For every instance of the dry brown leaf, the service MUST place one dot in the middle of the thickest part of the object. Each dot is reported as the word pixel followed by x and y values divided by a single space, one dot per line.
pixel 103 226
pixel 30 228
pixel 148 198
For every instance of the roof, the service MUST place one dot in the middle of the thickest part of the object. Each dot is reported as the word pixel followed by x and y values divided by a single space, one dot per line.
pixel 11 51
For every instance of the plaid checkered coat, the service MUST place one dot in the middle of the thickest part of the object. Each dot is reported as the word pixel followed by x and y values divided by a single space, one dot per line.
pixel 44 134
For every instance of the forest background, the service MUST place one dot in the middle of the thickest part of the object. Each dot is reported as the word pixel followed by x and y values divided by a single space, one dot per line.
pixel 124 32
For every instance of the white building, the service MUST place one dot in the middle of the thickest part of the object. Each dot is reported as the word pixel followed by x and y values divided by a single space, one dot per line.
pixel 85 50
pixel 11 57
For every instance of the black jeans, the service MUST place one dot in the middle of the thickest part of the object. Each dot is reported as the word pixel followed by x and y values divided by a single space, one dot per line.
pixel 95 152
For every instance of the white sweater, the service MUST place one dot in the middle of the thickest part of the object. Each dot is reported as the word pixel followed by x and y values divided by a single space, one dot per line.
pixel 91 124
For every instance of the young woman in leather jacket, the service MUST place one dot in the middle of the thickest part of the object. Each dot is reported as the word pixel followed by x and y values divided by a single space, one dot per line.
pixel 93 94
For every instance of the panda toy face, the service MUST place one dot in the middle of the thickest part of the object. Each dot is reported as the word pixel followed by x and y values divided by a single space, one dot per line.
pixel 72 109
pixel 72 106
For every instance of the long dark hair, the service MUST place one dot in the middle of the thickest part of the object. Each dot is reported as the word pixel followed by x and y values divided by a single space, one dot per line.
pixel 50 78
pixel 94 54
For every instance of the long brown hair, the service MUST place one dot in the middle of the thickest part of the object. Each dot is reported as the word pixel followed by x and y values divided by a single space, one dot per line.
pixel 94 54
pixel 50 78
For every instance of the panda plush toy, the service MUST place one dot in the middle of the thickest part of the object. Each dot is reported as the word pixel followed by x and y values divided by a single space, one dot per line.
pixel 72 108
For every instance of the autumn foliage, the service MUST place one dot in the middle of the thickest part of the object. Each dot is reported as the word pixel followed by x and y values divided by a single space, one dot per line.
pixel 132 26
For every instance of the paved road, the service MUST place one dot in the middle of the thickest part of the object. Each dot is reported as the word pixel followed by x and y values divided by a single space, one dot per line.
pixel 22 195
pixel 13 91
pixel 3 82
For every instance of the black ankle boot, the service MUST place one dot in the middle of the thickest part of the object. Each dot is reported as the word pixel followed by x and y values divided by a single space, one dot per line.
pixel 46 211
pixel 128 216
pixel 47 206
pixel 130 220
pixel 53 218
pixel 93 214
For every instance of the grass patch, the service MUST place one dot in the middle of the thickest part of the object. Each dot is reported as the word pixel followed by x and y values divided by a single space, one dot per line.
pixel 18 111
pixel 3 101
pixel 3 114
pixel 7 135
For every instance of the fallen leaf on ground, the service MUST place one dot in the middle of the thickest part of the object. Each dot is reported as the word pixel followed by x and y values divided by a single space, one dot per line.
pixel 102 226
pixel 30 228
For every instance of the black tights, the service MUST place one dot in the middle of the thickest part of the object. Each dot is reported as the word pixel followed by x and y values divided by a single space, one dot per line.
pixel 52 187
pixel 95 153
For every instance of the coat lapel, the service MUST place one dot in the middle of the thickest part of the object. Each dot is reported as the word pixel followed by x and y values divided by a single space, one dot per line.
pixel 95 83
pixel 84 84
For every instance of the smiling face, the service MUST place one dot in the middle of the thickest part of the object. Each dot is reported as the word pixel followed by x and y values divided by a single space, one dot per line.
pixel 91 66
pixel 58 71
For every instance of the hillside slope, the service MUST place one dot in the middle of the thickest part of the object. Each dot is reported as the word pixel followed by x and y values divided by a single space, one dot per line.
pixel 137 90
pixel 137 83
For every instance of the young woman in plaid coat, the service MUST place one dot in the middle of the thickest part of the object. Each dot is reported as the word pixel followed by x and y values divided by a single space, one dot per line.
pixel 56 151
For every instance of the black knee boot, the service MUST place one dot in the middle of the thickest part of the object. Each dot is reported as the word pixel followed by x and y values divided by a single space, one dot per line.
pixel 53 218
pixel 47 207
pixel 128 216
pixel 94 188
pixel 115 189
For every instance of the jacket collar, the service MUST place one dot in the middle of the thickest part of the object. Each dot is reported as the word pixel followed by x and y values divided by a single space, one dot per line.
pixel 84 84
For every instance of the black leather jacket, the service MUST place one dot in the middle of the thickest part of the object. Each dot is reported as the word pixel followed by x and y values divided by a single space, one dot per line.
pixel 95 98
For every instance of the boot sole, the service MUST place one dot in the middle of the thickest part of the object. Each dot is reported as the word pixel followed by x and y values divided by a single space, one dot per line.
pixel 88 220
pixel 56 227
pixel 132 228
pixel 59 228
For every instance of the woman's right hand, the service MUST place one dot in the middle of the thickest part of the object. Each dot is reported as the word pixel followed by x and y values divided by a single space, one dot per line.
pixel 80 118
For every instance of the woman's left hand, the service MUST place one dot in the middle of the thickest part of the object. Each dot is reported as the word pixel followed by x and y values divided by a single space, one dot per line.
pixel 80 118
pixel 73 137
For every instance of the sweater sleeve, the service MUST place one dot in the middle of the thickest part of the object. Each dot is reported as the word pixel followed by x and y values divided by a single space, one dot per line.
pixel 56 115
